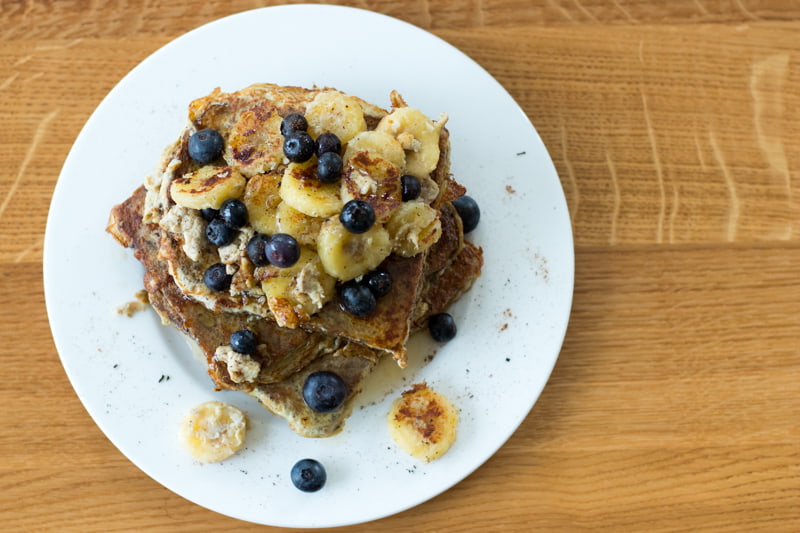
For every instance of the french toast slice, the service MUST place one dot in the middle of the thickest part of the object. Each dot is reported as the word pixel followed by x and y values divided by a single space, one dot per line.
pixel 249 122
pixel 289 355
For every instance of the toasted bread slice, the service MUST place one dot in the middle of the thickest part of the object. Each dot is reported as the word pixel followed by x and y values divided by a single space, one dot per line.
pixel 249 121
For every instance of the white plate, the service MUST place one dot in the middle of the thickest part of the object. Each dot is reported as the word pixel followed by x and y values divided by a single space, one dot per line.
pixel 138 378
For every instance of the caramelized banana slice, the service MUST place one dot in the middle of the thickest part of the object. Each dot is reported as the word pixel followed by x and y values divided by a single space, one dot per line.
pixel 377 144
pixel 299 225
pixel 301 189
pixel 213 431
pixel 337 113
pixel 374 180
pixel 414 227
pixel 348 255
pixel 423 423
pixel 261 198
pixel 418 135
pixel 207 187
pixel 255 143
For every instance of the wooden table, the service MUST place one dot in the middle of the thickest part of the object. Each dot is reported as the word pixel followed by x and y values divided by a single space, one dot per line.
pixel 675 128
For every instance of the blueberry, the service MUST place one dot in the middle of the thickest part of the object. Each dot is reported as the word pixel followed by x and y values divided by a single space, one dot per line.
pixel 257 249
pixel 217 277
pixel 298 147
pixel 205 146
pixel 209 213
pixel 469 212
pixel 328 142
pixel 282 250
pixel 219 233
pixel 329 169
pixel 244 341
pixel 233 212
pixel 442 327
pixel 293 122
pixel 378 281
pixel 357 216
pixel 357 299
pixel 410 187
pixel 308 475
pixel 324 391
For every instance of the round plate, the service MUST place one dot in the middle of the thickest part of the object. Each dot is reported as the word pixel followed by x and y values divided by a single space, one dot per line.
pixel 138 378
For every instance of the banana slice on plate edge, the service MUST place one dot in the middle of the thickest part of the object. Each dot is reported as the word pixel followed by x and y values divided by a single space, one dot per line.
pixel 423 422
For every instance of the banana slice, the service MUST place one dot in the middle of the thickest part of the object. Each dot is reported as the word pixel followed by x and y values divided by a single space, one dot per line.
pixel 335 112
pixel 301 189
pixel 374 180
pixel 295 293
pixel 261 198
pixel 299 225
pixel 423 423
pixel 213 431
pixel 346 255
pixel 418 135
pixel 207 187
pixel 255 143
pixel 377 144
pixel 413 227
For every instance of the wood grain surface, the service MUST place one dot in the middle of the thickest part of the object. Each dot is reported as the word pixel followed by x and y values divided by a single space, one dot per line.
pixel 675 129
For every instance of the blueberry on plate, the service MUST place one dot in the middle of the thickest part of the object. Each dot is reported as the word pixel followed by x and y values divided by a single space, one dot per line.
pixel 329 167
pixel 324 391
pixel 379 281
pixel 217 278
pixel 357 299
pixel 298 147
pixel 442 327
pixel 244 341
pixel 328 142
pixel 410 187
pixel 282 250
pixel 308 475
pixel 257 249
pixel 293 122
pixel 219 233
pixel 206 145
pixel 469 212
pixel 357 216
pixel 233 212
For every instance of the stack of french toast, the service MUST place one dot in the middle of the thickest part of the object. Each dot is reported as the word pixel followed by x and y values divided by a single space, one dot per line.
pixel 204 224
